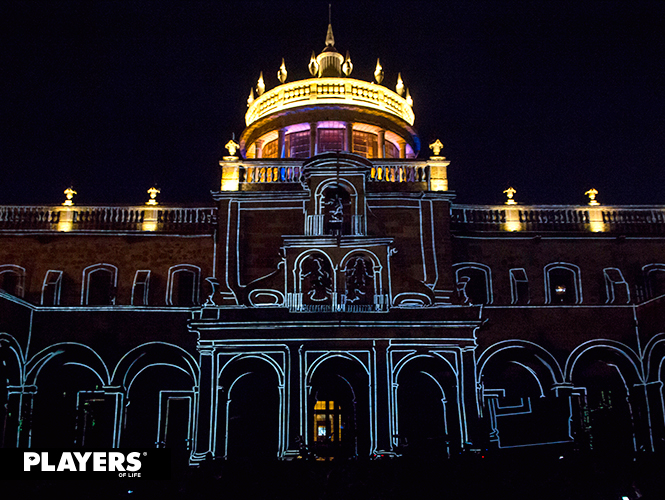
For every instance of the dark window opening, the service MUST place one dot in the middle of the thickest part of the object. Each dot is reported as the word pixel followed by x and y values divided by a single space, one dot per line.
pixel 140 291
pixel 183 291
pixel 297 144
pixel 336 211
pixel 101 291
pixel 331 139
pixel 476 284
pixel 10 282
pixel 563 288
pixel 519 286
pixel 365 144
pixel 51 289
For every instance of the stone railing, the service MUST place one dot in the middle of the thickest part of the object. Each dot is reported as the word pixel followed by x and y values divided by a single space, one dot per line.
pixel 329 91
pixel 399 173
pixel 610 219
pixel 351 225
pixel 89 218
pixel 295 303
pixel 268 174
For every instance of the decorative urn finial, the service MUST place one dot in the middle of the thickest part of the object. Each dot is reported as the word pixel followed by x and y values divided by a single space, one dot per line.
pixel 378 72
pixel 281 74
pixel 591 193
pixel 260 86
pixel 436 148
pixel 313 65
pixel 347 66
pixel 510 192
pixel 153 192
pixel 400 85
pixel 69 193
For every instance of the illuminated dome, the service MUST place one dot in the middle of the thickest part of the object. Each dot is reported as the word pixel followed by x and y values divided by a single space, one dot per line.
pixel 329 112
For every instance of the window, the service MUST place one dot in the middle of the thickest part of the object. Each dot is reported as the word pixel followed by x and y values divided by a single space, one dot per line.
pixel 365 144
pixel 297 144
pixel 140 288
pixel 12 279
pixel 51 288
pixel 519 286
pixel 99 285
pixel 477 282
pixel 330 139
pixel 336 211
pixel 359 283
pixel 562 284
pixel 616 286
pixel 316 281
pixel 391 150
pixel 183 285
pixel 654 275
pixel 270 149
pixel 327 422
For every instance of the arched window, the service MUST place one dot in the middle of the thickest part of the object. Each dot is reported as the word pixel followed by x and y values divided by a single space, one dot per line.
pixel 12 279
pixel 359 285
pixel 100 282
pixel 562 284
pixel 51 288
pixel 316 281
pixel 477 281
pixel 519 286
pixel 616 288
pixel 183 285
pixel 336 211
pixel 654 277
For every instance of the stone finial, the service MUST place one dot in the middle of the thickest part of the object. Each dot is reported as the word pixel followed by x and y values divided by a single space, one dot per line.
pixel 260 85
pixel 313 65
pixel 250 99
pixel 232 146
pixel 347 65
pixel 378 72
pixel 436 147
pixel 591 193
pixel 281 74
pixel 400 84
pixel 69 193
pixel 510 192
pixel 153 192
pixel 330 39
pixel 408 98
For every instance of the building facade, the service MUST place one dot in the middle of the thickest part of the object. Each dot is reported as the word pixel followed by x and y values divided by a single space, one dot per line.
pixel 333 300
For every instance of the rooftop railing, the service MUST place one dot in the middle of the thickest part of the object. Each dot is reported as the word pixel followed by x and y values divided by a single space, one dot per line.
pixel 540 218
pixel 329 91
pixel 89 218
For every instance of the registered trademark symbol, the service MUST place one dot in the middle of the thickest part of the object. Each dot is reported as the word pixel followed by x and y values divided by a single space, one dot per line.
pixel 145 453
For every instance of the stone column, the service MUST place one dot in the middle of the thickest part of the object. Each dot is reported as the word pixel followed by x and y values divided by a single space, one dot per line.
pixel 258 145
pixel 116 397
pixel 280 143
pixel 26 398
pixel 312 139
pixel 402 148
pixel 294 394
pixel 348 137
pixel 381 153
pixel 468 394
pixel 382 410
pixel 204 435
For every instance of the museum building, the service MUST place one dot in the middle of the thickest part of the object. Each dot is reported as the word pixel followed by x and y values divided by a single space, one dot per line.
pixel 333 300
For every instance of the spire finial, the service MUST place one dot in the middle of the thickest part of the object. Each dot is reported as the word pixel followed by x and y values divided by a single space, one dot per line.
pixel 330 39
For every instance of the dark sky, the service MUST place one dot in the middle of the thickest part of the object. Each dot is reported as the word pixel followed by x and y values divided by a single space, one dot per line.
pixel 550 97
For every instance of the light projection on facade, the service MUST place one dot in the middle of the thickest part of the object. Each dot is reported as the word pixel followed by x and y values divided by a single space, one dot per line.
pixel 334 302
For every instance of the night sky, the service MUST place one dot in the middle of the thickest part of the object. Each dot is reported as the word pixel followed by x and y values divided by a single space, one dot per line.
pixel 550 97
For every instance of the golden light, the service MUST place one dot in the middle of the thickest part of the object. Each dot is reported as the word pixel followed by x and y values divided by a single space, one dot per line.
pixel 260 85
pixel 512 223
pixel 282 74
pixel 230 176
pixel 69 193
pixel 510 192
pixel 591 193
pixel 153 192
pixel 378 72
pixel 436 147
pixel 330 90
pixel 560 290
pixel 66 220
pixel 596 223
pixel 399 88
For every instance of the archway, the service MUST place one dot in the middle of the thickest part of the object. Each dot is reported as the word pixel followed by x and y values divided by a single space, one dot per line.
pixel 428 419
pixel 606 377
pixel 249 411
pixel 338 409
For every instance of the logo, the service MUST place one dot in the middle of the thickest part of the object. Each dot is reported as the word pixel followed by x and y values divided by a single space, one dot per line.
pixel 86 464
